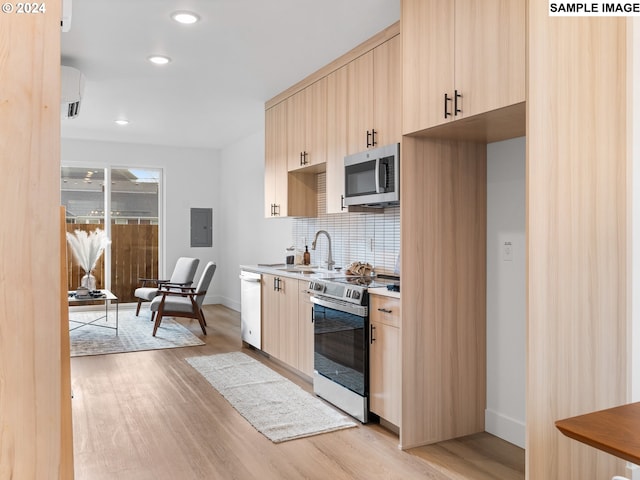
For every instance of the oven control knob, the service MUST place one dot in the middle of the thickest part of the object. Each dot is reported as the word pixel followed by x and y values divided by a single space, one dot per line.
pixel 355 295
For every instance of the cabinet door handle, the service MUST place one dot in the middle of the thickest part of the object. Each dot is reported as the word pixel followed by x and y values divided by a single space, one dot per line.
pixel 304 158
pixel 371 337
pixel 455 103
pixel 371 138
pixel 384 310
pixel 301 161
pixel 342 207
pixel 446 106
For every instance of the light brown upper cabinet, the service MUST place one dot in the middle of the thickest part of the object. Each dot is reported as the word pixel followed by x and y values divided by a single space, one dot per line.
pixel 275 161
pixel 364 100
pixel 351 102
pixel 285 194
pixel 387 91
pixel 336 139
pixel 460 58
pixel 374 97
pixel 307 126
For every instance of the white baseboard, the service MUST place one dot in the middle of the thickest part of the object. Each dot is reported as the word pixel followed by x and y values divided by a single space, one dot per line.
pixel 507 428
pixel 220 300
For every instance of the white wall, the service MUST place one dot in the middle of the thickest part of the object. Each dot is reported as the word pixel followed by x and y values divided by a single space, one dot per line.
pixel 191 179
pixel 506 294
pixel 247 237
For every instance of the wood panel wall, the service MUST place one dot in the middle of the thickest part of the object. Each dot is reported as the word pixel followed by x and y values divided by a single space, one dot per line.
pixel 576 236
pixel 66 416
pixel 443 221
pixel 134 254
pixel 30 314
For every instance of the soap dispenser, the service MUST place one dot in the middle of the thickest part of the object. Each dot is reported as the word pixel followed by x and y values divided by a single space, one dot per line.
pixel 306 258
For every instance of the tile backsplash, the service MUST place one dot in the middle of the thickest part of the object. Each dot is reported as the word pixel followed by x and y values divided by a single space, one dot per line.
pixel 363 237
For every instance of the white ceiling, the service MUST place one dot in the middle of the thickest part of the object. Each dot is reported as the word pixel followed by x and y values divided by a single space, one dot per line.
pixel 223 69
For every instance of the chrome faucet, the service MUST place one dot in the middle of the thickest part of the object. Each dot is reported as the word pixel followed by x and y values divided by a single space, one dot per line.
pixel 330 262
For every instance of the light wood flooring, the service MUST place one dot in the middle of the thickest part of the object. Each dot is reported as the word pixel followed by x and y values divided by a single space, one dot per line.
pixel 151 416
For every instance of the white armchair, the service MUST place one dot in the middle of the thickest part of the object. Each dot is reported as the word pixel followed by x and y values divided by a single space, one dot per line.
pixel 186 302
pixel 182 276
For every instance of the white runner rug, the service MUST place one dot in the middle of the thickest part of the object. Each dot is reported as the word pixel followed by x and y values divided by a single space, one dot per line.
pixel 275 406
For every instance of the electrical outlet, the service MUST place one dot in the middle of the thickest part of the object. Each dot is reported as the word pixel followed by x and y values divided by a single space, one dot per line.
pixel 507 252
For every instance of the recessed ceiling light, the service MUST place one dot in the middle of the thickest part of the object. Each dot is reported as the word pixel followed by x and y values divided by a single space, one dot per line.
pixel 159 59
pixel 185 17
pixel 122 122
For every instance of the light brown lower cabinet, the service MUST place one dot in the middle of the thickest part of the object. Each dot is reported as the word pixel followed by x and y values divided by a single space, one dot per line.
pixel 287 328
pixel 305 329
pixel 384 358
pixel 279 318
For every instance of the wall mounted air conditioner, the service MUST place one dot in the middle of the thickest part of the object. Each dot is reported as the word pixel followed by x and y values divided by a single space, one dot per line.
pixel 72 88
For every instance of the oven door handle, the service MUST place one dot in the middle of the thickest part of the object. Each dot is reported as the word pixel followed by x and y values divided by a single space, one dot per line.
pixel 358 310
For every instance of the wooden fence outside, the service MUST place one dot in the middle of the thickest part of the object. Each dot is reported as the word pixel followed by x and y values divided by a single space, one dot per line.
pixel 134 254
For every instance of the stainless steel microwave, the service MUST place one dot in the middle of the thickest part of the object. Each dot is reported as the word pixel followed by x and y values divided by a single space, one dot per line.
pixel 372 177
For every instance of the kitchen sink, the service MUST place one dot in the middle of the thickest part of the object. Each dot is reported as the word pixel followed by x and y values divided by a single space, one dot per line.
pixel 312 271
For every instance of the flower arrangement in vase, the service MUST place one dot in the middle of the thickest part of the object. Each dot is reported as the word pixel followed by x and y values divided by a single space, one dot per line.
pixel 87 248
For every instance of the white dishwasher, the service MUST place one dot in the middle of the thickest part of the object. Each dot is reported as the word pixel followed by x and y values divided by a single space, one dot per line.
pixel 250 308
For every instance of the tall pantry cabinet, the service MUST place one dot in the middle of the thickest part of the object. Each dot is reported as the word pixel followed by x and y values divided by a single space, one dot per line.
pixel 454 55
pixel 576 222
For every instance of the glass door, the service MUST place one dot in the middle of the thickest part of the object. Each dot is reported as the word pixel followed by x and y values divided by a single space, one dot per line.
pixel 82 193
pixel 134 200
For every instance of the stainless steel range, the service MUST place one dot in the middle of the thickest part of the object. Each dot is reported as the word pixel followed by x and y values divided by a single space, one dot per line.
pixel 341 356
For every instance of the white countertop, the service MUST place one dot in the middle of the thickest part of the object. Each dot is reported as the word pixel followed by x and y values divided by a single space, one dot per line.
pixel 304 272
pixel 383 291
pixel 300 272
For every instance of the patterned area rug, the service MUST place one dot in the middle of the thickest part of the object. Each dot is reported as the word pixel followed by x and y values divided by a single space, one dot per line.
pixel 275 406
pixel 134 333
